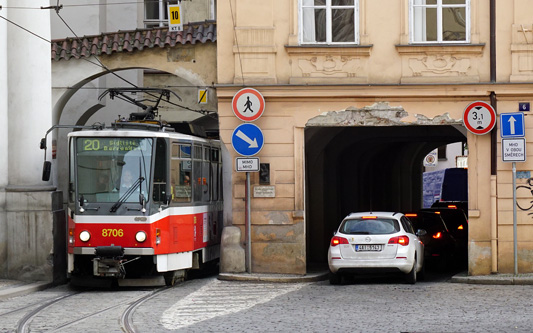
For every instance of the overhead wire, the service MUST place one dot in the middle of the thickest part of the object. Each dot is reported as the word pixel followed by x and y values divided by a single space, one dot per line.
pixel 92 4
pixel 236 40
pixel 99 64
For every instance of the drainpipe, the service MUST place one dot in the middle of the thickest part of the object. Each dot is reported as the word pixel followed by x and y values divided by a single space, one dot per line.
pixel 494 141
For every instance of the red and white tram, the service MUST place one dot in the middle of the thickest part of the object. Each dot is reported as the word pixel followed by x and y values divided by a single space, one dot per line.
pixel 144 201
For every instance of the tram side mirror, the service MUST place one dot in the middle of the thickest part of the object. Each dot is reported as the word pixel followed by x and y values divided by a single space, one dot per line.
pixel 168 199
pixel 81 200
pixel 43 143
pixel 47 167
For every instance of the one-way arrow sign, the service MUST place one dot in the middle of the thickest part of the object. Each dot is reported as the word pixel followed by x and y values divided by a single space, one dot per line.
pixel 247 139
pixel 512 125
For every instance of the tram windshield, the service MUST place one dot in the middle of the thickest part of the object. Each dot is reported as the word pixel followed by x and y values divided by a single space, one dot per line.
pixel 107 168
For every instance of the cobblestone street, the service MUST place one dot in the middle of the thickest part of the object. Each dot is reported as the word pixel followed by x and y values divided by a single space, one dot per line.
pixel 212 305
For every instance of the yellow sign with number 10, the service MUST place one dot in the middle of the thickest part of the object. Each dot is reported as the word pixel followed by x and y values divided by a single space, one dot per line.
pixel 174 18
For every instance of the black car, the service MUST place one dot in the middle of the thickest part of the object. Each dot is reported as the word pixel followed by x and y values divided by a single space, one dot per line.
pixel 442 248
pixel 457 223
pixel 452 204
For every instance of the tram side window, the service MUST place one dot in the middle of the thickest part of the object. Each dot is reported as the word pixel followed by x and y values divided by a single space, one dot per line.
pixel 160 171
pixel 180 173
pixel 215 153
pixel 197 173
pixel 206 176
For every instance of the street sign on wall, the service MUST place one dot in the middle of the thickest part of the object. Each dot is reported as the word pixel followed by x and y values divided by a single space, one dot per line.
pixel 175 22
pixel 479 117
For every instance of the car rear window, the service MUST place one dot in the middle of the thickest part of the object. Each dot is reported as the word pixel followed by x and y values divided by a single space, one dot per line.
pixel 430 222
pixel 378 226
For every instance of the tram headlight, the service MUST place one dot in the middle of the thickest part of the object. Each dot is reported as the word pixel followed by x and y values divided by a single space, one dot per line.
pixel 140 236
pixel 85 236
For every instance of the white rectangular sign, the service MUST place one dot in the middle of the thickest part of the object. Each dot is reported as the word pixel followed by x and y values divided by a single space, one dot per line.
pixel 268 191
pixel 175 21
pixel 514 150
pixel 247 164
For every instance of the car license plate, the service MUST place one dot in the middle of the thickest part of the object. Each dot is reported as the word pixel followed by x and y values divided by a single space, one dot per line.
pixel 368 247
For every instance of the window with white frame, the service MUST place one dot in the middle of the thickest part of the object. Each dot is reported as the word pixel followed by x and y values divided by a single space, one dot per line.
pixel 439 21
pixel 156 13
pixel 329 21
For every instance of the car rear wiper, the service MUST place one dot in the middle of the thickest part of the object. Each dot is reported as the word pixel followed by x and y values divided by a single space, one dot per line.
pixel 127 194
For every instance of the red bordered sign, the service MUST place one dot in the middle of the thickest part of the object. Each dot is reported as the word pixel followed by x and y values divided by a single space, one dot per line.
pixel 479 117
pixel 248 104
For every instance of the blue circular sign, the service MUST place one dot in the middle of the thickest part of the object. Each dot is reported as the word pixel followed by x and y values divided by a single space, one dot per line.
pixel 247 139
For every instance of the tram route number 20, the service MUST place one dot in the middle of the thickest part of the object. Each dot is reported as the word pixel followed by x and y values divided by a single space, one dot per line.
pixel 112 232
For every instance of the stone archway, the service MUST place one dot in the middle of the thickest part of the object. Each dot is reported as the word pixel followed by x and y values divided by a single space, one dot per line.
pixel 181 61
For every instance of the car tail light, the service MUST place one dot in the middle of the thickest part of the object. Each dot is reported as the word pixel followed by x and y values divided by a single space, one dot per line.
pixel 437 235
pixel 369 217
pixel 452 206
pixel 336 240
pixel 402 240
pixel 411 215
pixel 460 227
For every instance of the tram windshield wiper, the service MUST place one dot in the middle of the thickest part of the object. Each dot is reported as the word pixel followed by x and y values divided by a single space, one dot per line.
pixel 127 194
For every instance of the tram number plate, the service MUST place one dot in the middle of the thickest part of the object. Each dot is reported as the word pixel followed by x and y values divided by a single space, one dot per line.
pixel 368 247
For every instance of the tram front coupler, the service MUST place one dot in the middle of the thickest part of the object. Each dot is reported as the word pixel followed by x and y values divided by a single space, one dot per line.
pixel 109 261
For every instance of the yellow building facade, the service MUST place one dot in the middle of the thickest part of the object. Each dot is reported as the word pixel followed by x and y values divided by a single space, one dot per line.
pixel 357 92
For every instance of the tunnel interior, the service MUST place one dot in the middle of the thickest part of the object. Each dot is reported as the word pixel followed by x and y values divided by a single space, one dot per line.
pixel 364 168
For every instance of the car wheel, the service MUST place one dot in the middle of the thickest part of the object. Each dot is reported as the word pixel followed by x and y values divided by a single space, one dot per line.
pixel 334 278
pixel 410 278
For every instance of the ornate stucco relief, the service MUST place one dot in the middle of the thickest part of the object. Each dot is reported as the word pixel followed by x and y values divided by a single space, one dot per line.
pixel 439 65
pixel 329 66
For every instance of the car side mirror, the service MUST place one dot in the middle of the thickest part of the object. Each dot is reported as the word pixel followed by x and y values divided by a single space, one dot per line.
pixel 421 232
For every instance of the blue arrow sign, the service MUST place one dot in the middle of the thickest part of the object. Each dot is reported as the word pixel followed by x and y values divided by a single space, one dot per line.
pixel 512 125
pixel 247 139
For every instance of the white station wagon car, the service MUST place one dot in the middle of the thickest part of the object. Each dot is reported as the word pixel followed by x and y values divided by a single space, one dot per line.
pixel 376 242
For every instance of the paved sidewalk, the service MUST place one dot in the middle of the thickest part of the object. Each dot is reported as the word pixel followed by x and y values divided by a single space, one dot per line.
pixel 281 278
pixel 500 279
pixel 504 279
pixel 13 288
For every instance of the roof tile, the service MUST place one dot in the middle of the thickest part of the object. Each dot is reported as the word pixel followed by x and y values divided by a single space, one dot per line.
pixel 132 40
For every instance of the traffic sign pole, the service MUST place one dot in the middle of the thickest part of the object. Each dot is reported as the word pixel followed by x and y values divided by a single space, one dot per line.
pixel 515 242
pixel 512 131
pixel 248 225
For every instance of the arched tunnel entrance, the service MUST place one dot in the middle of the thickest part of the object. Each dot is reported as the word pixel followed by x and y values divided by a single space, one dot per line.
pixel 364 168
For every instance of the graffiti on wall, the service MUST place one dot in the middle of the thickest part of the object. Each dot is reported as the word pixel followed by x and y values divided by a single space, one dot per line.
pixel 524 195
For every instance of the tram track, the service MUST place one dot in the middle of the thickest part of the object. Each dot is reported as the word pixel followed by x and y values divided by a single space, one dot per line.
pixel 125 320
pixel 22 326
